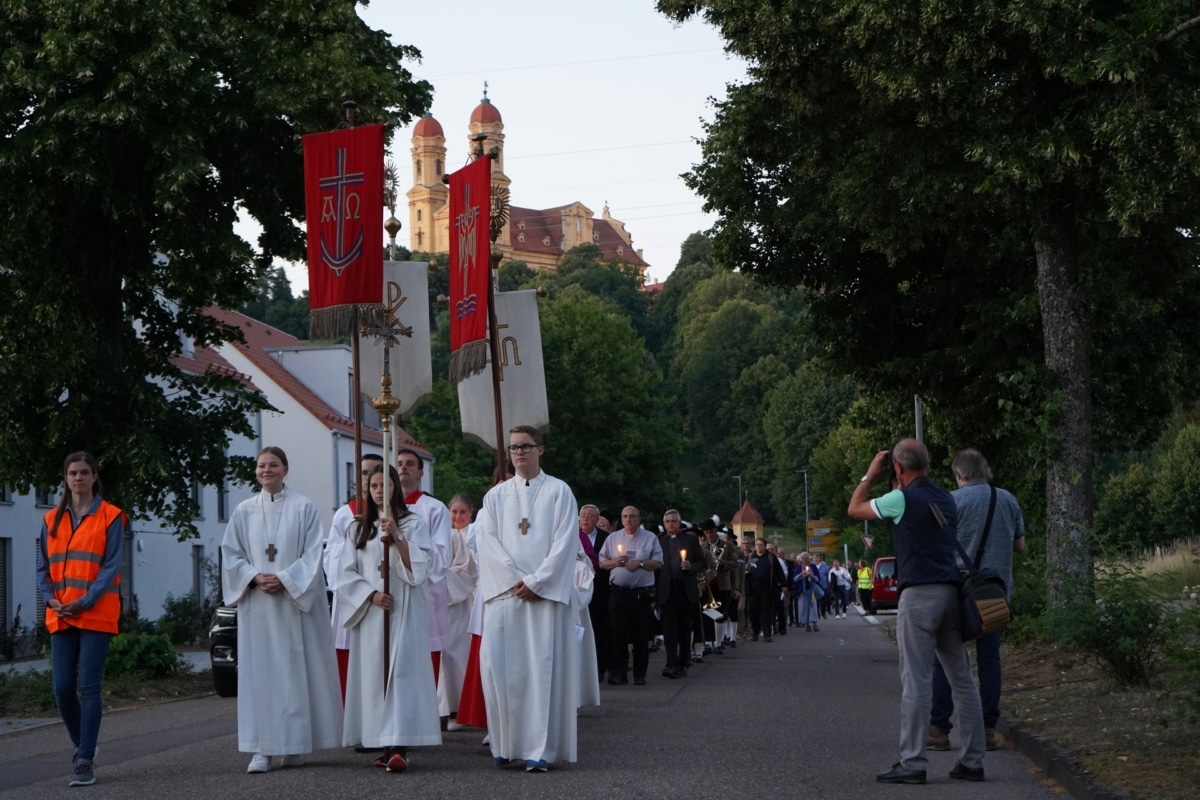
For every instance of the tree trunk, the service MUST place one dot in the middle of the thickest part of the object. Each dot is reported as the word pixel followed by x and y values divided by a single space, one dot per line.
pixel 1068 354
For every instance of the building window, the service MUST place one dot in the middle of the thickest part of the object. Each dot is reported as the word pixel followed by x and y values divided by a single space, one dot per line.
pixel 222 502
pixel 595 237
pixel 620 251
pixel 438 170
pixel 198 574
pixel 196 498
pixel 546 241
pixel 5 494
pixel 521 225
pixel 520 237
pixel 418 169
pixel 42 497
pixel 418 215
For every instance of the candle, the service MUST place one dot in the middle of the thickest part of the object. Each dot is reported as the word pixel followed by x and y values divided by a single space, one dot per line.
pixel 620 550
pixel 682 554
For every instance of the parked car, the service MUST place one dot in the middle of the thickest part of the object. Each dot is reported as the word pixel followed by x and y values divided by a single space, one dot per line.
pixel 884 593
pixel 223 651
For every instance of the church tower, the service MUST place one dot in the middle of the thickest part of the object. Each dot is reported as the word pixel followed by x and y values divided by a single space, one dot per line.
pixel 428 194
pixel 485 119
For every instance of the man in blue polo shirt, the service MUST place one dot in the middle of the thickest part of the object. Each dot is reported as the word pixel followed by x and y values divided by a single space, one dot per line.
pixel 928 616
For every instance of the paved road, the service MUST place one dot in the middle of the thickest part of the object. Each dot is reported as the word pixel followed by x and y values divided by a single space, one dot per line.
pixel 811 715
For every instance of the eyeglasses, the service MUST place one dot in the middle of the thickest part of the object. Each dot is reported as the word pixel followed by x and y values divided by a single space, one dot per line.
pixel 521 448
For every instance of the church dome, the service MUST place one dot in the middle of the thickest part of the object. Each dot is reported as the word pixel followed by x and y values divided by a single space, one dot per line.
pixel 485 112
pixel 428 126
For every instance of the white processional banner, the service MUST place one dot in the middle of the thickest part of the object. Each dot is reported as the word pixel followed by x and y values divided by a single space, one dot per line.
pixel 522 374
pixel 405 302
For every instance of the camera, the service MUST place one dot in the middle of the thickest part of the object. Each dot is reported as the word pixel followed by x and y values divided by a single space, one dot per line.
pixel 887 465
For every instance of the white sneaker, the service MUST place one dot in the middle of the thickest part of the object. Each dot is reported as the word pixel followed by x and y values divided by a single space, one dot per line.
pixel 259 763
pixel 293 761
pixel 451 725
pixel 487 739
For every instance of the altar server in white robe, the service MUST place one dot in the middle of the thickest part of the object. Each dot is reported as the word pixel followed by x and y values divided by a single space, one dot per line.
pixel 272 574
pixel 529 655
pixel 340 530
pixel 406 715
pixel 411 466
pixel 461 579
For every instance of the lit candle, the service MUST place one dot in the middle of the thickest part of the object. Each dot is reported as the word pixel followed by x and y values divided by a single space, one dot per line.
pixel 682 554
pixel 620 550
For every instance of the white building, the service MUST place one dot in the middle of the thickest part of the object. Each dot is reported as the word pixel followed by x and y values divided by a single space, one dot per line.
pixel 309 386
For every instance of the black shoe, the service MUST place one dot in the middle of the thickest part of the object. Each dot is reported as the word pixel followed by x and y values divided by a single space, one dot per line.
pixel 898 774
pixel 720 650
pixel 618 681
pixel 733 644
pixel 769 639
pixel 815 628
pixel 639 681
pixel 671 672
pixel 962 773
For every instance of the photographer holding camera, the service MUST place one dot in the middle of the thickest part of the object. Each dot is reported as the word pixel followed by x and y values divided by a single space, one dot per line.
pixel 928 616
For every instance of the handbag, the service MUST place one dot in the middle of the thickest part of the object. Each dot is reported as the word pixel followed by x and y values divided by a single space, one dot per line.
pixel 983 596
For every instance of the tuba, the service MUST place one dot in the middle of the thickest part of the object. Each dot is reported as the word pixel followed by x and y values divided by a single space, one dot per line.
pixel 710 605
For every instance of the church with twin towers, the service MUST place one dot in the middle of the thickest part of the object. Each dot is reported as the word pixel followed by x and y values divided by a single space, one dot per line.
pixel 538 237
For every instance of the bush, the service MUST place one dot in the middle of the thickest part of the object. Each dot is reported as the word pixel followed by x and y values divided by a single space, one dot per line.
pixel 181 620
pixel 26 692
pixel 148 655
pixel 1182 652
pixel 1124 631
pixel 131 619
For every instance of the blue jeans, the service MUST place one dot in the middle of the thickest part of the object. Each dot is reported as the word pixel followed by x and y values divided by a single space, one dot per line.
pixel 77 659
pixel 987 665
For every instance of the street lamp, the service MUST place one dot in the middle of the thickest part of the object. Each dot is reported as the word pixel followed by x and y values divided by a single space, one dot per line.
pixel 738 478
pixel 805 473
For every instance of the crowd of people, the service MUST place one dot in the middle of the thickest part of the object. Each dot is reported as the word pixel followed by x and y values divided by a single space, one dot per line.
pixel 511 623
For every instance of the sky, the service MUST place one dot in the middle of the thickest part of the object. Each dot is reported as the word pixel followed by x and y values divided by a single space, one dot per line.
pixel 601 102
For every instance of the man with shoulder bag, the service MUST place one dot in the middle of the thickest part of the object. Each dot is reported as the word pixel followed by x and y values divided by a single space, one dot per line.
pixel 990 529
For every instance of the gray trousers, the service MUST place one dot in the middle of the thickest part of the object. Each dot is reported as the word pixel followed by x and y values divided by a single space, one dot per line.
pixel 928 623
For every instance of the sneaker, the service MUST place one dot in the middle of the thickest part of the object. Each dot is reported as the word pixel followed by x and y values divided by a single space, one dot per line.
pixel 535 765
pixel 259 763
pixel 768 639
pixel 293 761
pixel 487 739
pixel 82 774
pixel 454 726
pixel 501 761
pixel 95 754
pixel 382 761
pixel 989 739
pixel 938 739
pixel 397 763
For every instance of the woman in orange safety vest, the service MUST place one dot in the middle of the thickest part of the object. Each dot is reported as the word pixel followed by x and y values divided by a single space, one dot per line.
pixel 78 578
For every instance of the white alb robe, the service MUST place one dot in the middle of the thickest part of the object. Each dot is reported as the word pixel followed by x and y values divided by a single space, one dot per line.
pixel 284 707
pixel 589 679
pixel 437 520
pixel 407 714
pixel 460 587
pixel 339 528
pixel 529 655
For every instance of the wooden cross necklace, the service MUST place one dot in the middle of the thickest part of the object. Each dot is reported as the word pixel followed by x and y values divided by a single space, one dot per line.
pixel 524 524
pixel 272 535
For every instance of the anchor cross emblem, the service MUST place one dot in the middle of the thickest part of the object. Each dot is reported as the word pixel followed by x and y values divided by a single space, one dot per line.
pixel 341 214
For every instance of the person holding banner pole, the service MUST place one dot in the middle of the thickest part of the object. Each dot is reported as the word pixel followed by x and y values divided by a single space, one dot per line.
pixel 390 626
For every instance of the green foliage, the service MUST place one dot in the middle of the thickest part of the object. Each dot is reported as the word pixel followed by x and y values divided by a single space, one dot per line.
pixel 24 692
pixel 1176 492
pixel 141 130
pixel 462 466
pixel 612 436
pixel 146 654
pixel 1182 651
pixel 275 305
pixel 1125 520
pixel 1124 631
pixel 181 620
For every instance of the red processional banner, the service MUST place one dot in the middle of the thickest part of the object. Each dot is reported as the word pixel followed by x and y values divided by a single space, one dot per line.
pixel 470 268
pixel 343 194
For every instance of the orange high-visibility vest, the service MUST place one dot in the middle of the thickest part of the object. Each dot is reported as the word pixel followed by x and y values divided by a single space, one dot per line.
pixel 75 560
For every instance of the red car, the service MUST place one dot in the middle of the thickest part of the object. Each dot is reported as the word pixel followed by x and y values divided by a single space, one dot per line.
pixel 884 593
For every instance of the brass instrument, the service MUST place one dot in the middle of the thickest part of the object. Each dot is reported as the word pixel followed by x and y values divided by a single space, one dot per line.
pixel 709 605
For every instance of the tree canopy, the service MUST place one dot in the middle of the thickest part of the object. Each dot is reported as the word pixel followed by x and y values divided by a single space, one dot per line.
pixel 976 192
pixel 136 130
